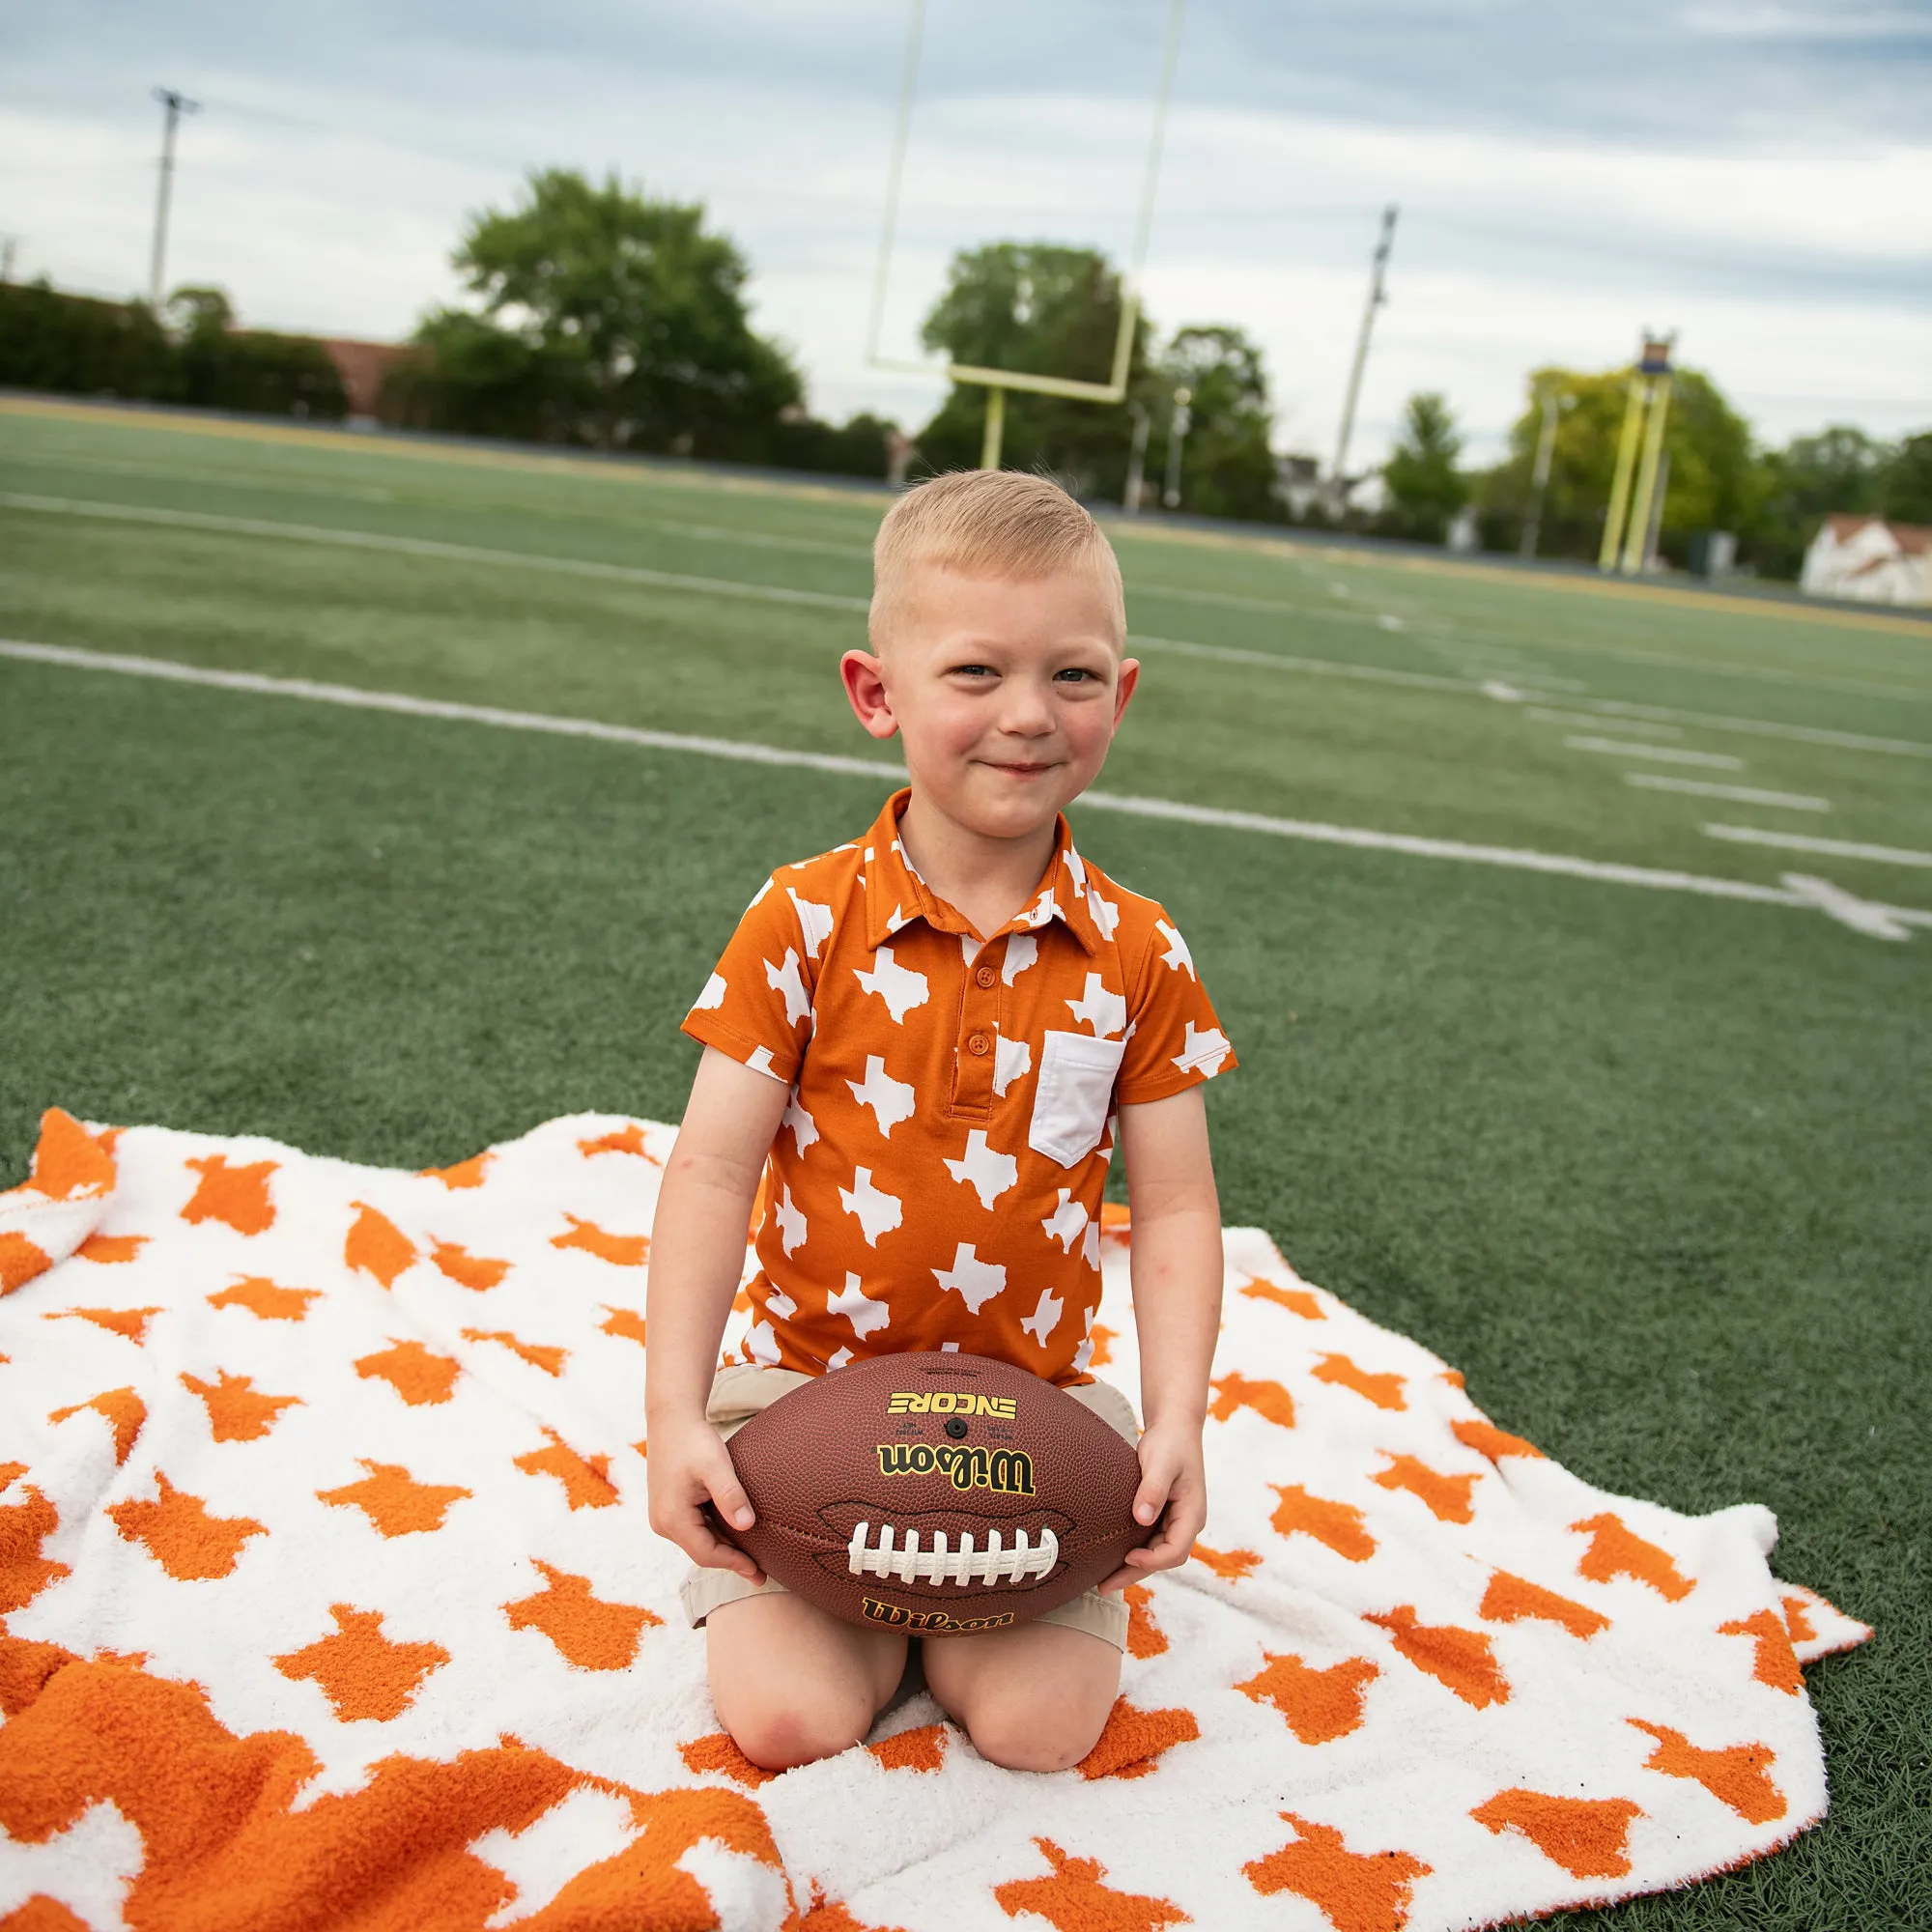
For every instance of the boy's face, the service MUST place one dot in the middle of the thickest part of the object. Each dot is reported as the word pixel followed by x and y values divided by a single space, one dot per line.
pixel 1004 693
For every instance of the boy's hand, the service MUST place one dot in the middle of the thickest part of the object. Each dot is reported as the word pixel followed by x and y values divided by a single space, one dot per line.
pixel 1172 1476
pixel 690 1465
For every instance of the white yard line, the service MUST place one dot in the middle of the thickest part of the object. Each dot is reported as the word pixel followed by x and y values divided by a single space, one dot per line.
pixel 1830 848
pixel 400 702
pixel 1759 727
pixel 320 534
pixel 1315 666
pixel 1664 754
pixel 1593 717
pixel 1789 801
pixel 1860 915
pixel 1494 688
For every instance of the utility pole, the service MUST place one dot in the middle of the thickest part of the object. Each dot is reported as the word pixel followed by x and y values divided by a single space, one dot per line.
pixel 175 106
pixel 1553 403
pixel 1338 482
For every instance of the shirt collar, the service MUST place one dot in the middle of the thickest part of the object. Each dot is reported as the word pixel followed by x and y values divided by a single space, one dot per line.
pixel 896 895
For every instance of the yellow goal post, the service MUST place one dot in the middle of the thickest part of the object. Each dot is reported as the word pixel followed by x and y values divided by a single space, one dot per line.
pixel 997 382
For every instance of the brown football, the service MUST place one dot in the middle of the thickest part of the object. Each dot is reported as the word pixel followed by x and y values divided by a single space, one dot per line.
pixel 940 1494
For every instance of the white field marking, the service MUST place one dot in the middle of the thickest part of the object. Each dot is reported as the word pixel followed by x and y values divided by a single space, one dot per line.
pixel 1669 661
pixel 319 533
pixel 1591 718
pixel 1318 667
pixel 1787 801
pixel 723 588
pixel 1309 829
pixel 1664 754
pixel 1875 922
pixel 1758 727
pixel 1830 848
pixel 356 698
pixel 1605 872
pixel 1461 633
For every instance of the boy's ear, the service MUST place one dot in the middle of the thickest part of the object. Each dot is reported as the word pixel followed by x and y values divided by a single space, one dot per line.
pixel 1124 687
pixel 865 680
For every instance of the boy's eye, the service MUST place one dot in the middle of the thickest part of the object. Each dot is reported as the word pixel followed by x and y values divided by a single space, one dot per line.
pixel 973 670
pixel 1074 674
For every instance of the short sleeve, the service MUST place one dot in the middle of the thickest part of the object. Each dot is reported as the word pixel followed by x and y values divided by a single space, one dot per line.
pixel 1175 1040
pixel 756 1005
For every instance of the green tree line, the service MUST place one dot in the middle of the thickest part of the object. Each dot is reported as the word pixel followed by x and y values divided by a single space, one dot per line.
pixel 190 353
pixel 601 316
pixel 1719 477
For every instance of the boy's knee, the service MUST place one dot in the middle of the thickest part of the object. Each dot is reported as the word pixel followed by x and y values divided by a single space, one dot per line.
pixel 1037 1734
pixel 781 1737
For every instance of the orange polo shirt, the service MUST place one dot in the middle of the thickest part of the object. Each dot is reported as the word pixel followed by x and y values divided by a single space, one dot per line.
pixel 936 1180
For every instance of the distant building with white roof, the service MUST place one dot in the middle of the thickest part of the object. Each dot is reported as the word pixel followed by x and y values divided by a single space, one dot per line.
pixel 1869 560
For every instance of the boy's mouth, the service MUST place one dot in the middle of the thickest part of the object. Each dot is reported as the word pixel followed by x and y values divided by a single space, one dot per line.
pixel 1018 771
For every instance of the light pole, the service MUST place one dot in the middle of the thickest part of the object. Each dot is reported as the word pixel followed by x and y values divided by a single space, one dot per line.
pixel 175 106
pixel 1554 403
pixel 1176 435
pixel 1338 481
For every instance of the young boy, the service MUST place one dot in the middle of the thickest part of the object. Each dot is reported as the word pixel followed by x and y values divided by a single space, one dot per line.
pixel 931 1039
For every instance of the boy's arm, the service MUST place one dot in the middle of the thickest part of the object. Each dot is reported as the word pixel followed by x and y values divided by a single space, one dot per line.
pixel 1176 1277
pixel 697 1254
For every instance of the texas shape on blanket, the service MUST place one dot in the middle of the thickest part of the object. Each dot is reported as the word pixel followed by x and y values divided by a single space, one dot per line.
pixel 330 1599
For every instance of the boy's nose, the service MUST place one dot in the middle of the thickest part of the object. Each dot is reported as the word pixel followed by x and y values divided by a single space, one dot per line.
pixel 1027 711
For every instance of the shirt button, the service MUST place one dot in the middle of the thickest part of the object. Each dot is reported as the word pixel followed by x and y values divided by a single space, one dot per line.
pixel 986 975
pixel 979 1043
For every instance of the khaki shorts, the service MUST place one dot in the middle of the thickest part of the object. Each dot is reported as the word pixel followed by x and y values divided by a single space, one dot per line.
pixel 740 1392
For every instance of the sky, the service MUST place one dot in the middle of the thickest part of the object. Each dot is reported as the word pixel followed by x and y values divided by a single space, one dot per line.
pixel 1756 176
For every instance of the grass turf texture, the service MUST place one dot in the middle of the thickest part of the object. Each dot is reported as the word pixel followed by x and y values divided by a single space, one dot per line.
pixel 1650 1169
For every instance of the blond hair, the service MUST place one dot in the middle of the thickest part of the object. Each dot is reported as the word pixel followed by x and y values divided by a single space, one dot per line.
pixel 987 522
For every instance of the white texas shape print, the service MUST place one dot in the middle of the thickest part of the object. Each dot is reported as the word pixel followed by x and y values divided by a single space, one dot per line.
pixel 890 1100
pixel 787 980
pixel 1045 1317
pixel 900 987
pixel 1204 1050
pixel 814 923
pixel 1104 1011
pixel 877 1213
pixel 790 1221
pixel 1011 1060
pixel 1066 1222
pixel 977 1282
pixel 859 1308
pixel 986 1169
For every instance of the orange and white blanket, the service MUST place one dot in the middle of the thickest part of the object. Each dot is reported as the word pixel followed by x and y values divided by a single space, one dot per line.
pixel 329 1600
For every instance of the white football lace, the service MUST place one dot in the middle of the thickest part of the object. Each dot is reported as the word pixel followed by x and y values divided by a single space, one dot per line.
pixel 910 1564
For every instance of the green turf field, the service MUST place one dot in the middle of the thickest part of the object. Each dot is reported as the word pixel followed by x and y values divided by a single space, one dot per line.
pixel 1651 1165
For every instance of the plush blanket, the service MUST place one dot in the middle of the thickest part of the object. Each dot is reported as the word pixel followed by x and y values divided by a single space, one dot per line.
pixel 329 1601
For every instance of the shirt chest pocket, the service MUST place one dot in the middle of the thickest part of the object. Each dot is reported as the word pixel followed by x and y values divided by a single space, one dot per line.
pixel 1074 1095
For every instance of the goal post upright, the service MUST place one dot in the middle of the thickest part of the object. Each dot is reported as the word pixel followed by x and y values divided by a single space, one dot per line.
pixel 998 382
pixel 1627 525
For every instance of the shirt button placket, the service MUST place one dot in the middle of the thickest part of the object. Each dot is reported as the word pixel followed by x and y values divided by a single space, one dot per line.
pixel 979 1038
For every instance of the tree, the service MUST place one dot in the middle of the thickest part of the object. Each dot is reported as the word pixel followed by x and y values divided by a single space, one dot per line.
pixel 611 317
pixel 1716 481
pixel 1227 468
pixel 1424 488
pixel 1905 483
pixel 1048 311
